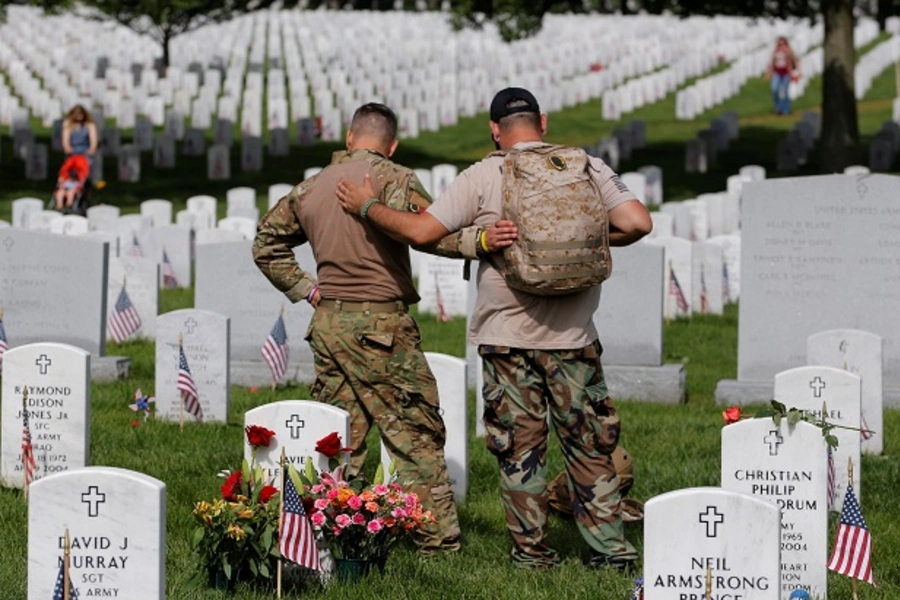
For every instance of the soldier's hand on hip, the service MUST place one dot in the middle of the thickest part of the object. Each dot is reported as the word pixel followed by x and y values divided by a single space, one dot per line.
pixel 500 235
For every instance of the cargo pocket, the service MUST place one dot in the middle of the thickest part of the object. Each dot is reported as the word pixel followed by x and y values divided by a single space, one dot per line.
pixel 602 418
pixel 422 415
pixel 377 349
pixel 498 425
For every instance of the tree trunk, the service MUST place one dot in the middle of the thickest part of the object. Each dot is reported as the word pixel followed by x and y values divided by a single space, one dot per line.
pixel 840 128
pixel 166 38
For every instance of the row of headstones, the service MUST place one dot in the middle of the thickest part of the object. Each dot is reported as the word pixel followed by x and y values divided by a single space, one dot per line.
pixel 793 150
pixel 874 62
pixel 189 87
pixel 620 145
pixel 771 510
pixel 702 152
pixel 781 471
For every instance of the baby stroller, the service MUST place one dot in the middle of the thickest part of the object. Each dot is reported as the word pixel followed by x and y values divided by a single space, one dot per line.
pixel 73 187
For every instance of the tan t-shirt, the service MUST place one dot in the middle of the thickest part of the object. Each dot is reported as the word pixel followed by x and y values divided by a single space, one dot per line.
pixel 507 317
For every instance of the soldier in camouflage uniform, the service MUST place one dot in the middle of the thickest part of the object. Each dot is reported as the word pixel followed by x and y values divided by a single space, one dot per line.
pixel 366 346
pixel 540 354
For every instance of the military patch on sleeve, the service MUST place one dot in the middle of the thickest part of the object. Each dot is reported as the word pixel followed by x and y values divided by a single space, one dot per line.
pixel 557 162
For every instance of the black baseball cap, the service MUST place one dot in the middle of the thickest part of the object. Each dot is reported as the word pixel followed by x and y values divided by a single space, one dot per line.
pixel 499 107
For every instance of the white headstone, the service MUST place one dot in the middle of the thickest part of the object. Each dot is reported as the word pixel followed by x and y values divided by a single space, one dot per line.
pixel 637 183
pixel 159 211
pixel 206 341
pixel 21 207
pixel 860 353
pixel 243 225
pixel 108 559
pixel 787 466
pixel 69 225
pixel 172 242
pixel 708 262
pixel 450 373
pixel 202 203
pixel 103 217
pixel 298 425
pixel 807 388
pixel 678 273
pixel 218 163
pixel 441 284
pixel 140 277
pixel 57 377
pixel 735 535
pixel 441 177
pixel 277 191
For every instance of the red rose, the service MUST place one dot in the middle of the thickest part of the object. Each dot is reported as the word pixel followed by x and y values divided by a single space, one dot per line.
pixel 259 436
pixel 309 505
pixel 231 486
pixel 329 445
pixel 135 423
pixel 266 493
pixel 732 414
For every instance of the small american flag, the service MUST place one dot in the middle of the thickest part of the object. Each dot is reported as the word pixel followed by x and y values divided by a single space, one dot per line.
pixel 4 346
pixel 852 554
pixel 275 350
pixel 28 463
pixel 442 315
pixel 59 588
pixel 168 273
pixel 296 540
pixel 831 477
pixel 124 319
pixel 704 295
pixel 726 286
pixel 136 246
pixel 186 386
pixel 675 290
pixel 865 433
pixel 637 593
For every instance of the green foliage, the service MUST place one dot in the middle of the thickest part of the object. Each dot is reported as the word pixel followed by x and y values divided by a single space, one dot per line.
pixel 778 412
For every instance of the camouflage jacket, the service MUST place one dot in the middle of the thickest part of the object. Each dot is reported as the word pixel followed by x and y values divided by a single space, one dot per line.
pixel 280 231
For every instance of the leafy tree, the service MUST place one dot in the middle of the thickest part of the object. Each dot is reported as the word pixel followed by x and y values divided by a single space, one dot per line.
pixel 840 128
pixel 165 19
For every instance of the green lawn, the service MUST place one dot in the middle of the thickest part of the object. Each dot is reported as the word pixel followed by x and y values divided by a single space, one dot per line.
pixel 674 446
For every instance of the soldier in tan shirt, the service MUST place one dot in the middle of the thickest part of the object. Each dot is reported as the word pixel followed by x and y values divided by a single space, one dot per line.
pixel 367 350
pixel 539 353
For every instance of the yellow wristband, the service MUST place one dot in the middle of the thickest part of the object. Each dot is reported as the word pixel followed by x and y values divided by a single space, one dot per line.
pixel 483 240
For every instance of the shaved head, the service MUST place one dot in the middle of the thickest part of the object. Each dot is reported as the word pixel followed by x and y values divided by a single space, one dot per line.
pixel 517 119
pixel 376 122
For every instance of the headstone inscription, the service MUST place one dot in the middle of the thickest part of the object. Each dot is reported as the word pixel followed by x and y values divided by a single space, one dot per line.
pixel 57 380
pixel 808 389
pixel 817 253
pixel 298 425
pixel 441 286
pixel 786 465
pixel 54 288
pixel 206 343
pixel 735 536
pixel 860 353
pixel 107 559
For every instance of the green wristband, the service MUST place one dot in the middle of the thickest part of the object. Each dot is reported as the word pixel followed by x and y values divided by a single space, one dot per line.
pixel 365 209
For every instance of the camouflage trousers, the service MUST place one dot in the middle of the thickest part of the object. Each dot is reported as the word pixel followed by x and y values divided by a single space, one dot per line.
pixel 372 366
pixel 520 386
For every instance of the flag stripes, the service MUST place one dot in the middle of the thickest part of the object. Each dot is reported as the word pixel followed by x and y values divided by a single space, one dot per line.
pixel 124 319
pixel 186 386
pixel 276 351
pixel 852 554
pixel 296 540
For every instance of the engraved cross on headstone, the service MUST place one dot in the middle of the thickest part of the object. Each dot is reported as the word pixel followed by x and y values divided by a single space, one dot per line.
pixel 817 386
pixel 190 324
pixel 774 440
pixel 295 424
pixel 712 518
pixel 93 498
pixel 43 362
pixel 9 243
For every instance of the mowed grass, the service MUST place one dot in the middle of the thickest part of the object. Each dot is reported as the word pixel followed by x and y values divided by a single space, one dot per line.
pixel 674 447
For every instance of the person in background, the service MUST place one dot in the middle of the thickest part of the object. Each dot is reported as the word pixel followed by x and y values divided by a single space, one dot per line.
pixel 79 133
pixel 783 68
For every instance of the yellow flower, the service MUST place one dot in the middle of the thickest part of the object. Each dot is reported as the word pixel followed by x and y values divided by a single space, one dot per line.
pixel 203 510
pixel 245 514
pixel 234 532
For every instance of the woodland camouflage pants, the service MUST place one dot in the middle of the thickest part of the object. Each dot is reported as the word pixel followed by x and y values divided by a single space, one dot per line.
pixel 372 366
pixel 519 387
